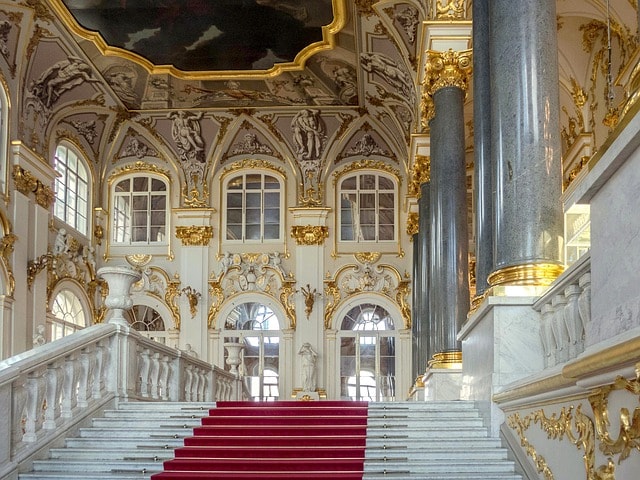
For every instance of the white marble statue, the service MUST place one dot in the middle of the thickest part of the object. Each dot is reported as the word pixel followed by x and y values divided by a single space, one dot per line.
pixel 309 359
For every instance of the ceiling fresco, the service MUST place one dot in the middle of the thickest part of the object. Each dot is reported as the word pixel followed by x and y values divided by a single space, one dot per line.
pixel 204 35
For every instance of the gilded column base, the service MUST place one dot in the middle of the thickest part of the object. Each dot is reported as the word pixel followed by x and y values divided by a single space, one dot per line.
pixel 532 274
pixel 446 360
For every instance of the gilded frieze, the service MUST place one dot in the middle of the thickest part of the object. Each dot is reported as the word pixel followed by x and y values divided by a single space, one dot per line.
pixel 367 164
pixel 365 277
pixel 194 235
pixel 309 234
pixel 420 173
pixel 412 224
pixel 252 164
pixel 252 272
pixel 449 9
pixel 138 167
pixel 26 183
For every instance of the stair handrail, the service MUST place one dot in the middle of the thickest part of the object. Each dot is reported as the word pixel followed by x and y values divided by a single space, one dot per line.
pixel 52 388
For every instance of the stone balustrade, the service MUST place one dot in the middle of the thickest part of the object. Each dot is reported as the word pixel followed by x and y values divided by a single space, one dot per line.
pixel 52 388
pixel 565 311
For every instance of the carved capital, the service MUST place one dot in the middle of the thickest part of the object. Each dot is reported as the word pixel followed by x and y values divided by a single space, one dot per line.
pixel 195 236
pixel 309 234
pixel 420 174
pixel 25 182
pixel 412 223
pixel 444 69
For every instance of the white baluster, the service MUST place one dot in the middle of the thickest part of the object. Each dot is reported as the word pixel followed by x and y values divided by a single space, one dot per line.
pixel 54 376
pixel 19 404
pixel 154 375
pixel 143 360
pixel 572 320
pixel 36 386
pixel 188 381
pixel 548 338
pixel 97 386
pixel 164 378
pixel 584 301
pixel 560 329
pixel 69 386
pixel 84 377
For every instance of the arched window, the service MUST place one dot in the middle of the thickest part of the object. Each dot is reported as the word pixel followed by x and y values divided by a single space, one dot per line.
pixel 140 211
pixel 367 208
pixel 72 188
pixel 148 322
pixel 253 206
pixel 4 139
pixel 256 328
pixel 69 316
pixel 367 354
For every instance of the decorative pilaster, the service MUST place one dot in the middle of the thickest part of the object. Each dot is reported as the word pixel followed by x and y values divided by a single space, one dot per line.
pixel 526 147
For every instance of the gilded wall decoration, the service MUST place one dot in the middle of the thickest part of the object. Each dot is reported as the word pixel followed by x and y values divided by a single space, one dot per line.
pixel 252 272
pixel 309 234
pixel 157 283
pixel 367 163
pixel 26 183
pixel 138 167
pixel 364 277
pixel 420 173
pixel 587 433
pixel 194 235
pixel 252 164
pixel 6 250
pixel 449 9
pixel 412 224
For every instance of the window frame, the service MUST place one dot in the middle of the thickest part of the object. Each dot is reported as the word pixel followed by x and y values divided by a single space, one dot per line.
pixel 68 185
pixel 61 324
pixel 131 194
pixel 347 244
pixel 226 191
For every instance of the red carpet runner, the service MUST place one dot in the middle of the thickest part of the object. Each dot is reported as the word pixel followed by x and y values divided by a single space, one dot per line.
pixel 273 441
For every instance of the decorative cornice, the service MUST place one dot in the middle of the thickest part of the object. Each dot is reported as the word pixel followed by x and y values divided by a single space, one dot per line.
pixel 444 69
pixel 194 235
pixel 367 164
pixel 138 167
pixel 27 183
pixel 309 234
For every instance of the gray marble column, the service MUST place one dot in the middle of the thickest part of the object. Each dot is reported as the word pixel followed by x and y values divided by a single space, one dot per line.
pixel 483 185
pixel 448 282
pixel 421 283
pixel 528 223
pixel 416 297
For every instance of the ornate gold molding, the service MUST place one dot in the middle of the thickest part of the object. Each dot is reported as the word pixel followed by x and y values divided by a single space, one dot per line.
pixel 194 235
pixel 420 173
pixel 6 249
pixel 413 220
pixel 329 33
pixel 171 296
pixel 444 69
pixel 367 257
pixel 138 167
pixel 448 360
pixel 367 164
pixel 532 274
pixel 309 234
pixel 253 163
pixel 27 183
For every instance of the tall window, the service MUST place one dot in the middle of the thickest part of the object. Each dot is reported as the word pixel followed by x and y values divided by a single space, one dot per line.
pixel 256 327
pixel 253 207
pixel 367 208
pixel 72 189
pixel 69 315
pixel 140 210
pixel 367 354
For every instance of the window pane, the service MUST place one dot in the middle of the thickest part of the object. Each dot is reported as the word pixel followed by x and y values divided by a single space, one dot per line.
pixel 253 216
pixel 234 232
pixel 367 182
pixel 254 200
pixel 368 233
pixel 157 234
pixel 253 182
pixel 139 218
pixel 271 199
pixel 386 232
pixel 385 183
pixel 271 183
pixel 271 215
pixel 123 186
pixel 234 200
pixel 140 184
pixel 234 216
pixel 139 234
pixel 158 202
pixel 158 185
pixel 158 218
pixel 385 200
pixel 349 183
pixel 253 232
pixel 272 232
pixel 235 183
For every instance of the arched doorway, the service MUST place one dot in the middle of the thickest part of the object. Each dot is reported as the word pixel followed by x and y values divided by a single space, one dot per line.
pixel 367 339
pixel 256 327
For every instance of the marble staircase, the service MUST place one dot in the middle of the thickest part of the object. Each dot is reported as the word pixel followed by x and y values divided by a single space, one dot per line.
pixel 434 440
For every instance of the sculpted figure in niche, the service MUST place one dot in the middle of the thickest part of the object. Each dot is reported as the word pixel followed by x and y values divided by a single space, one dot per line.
pixel 185 131
pixel 308 133
pixel 309 359
pixel 60 246
pixel 60 77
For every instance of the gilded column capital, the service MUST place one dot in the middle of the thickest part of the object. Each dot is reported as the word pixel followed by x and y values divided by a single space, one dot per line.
pixel 444 69
pixel 309 234
pixel 420 173
pixel 194 235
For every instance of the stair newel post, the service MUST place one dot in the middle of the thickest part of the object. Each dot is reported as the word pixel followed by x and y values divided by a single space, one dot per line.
pixel 234 360
pixel 120 279
pixel 123 361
